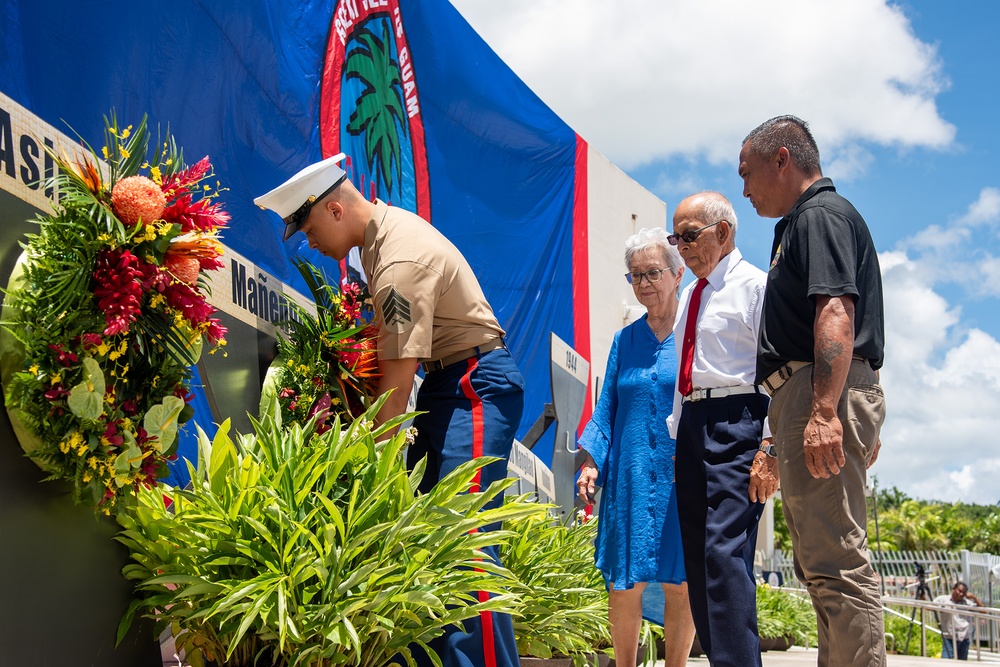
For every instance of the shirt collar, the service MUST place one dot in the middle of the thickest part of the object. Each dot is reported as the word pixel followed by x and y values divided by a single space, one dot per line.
pixel 374 222
pixel 725 265
pixel 818 186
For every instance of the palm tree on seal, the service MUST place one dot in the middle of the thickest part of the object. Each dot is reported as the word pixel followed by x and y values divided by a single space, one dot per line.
pixel 378 112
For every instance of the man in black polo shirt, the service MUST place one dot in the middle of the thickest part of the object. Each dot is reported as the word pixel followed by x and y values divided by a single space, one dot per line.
pixel 821 343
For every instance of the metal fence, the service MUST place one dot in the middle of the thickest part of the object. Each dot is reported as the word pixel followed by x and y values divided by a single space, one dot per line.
pixel 901 574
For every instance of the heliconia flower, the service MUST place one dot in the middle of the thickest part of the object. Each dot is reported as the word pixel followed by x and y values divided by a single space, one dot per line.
pixel 137 198
pixel 183 180
pixel 201 215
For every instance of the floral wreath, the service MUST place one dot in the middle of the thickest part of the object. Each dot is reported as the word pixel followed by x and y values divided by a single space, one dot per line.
pixel 106 312
pixel 327 363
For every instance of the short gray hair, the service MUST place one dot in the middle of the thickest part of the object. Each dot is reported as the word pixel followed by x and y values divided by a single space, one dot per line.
pixel 790 132
pixel 652 239
pixel 715 206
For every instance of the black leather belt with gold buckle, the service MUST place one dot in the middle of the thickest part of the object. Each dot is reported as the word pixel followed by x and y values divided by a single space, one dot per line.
pixel 444 362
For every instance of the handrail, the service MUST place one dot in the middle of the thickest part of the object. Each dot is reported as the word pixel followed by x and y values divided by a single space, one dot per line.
pixel 990 614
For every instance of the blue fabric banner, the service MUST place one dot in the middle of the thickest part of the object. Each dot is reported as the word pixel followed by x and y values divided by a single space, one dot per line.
pixel 431 119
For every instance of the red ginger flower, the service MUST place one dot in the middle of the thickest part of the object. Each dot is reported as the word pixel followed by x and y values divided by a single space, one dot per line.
pixel 184 180
pixel 137 198
pixel 201 215
pixel 118 289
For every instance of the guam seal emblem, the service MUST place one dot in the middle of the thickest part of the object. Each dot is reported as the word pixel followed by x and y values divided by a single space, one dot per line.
pixel 370 106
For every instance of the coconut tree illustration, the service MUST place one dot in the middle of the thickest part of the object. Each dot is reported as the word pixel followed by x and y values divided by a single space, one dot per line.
pixel 378 113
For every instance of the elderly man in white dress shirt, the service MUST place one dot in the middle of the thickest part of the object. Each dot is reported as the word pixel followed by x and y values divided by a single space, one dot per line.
pixel 725 463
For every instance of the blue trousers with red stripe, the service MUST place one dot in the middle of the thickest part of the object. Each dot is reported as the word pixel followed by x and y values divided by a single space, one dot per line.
pixel 471 409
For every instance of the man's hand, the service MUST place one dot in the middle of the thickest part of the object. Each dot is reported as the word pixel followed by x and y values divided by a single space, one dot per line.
pixel 585 483
pixel 397 376
pixel 763 476
pixel 823 443
pixel 874 458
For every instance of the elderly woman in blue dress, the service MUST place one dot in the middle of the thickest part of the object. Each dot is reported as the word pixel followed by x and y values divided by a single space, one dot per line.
pixel 631 456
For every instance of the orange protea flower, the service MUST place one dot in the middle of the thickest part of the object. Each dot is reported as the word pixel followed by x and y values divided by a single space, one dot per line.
pixel 137 198
pixel 190 253
pixel 183 267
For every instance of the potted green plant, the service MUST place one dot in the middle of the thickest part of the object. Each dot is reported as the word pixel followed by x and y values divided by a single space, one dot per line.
pixel 784 619
pixel 562 600
pixel 297 548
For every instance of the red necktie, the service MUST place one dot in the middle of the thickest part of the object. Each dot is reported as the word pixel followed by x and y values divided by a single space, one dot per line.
pixel 687 351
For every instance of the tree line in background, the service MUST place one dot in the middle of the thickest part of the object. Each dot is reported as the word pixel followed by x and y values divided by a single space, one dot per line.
pixel 910 524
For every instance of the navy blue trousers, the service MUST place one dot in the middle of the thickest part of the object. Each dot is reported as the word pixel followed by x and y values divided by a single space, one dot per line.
pixel 717 440
pixel 472 409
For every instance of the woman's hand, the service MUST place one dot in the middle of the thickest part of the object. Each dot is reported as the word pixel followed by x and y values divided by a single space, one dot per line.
pixel 585 483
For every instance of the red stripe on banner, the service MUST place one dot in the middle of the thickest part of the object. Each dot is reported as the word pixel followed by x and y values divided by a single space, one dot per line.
pixel 581 267
pixel 478 426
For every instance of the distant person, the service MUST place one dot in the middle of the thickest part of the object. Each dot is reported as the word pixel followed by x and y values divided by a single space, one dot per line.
pixel 430 311
pixel 630 454
pixel 725 470
pixel 821 344
pixel 957 629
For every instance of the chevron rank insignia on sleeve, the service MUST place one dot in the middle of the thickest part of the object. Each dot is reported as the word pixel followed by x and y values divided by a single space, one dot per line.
pixel 396 312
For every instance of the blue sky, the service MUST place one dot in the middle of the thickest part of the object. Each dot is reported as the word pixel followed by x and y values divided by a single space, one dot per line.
pixel 903 99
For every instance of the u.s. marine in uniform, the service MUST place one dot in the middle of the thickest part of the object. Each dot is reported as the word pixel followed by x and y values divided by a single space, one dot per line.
pixel 431 311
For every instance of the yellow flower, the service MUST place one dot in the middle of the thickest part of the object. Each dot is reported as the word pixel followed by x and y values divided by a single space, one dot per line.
pixel 75 438
pixel 334 401
pixel 124 152
pixel 56 379
pixel 82 450
pixel 34 369
pixel 156 176
pixel 92 462
pixel 86 476
pixel 102 349
pixel 119 352
pixel 64 447
pixel 170 161
pixel 104 150
pixel 127 131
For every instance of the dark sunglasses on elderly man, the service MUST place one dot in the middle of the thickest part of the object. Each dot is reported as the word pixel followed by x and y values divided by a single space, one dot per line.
pixel 692 235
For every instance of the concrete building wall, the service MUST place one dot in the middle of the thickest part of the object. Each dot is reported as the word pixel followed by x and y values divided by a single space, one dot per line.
pixel 618 207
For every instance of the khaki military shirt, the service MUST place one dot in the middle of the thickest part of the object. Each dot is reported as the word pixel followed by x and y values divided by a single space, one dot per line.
pixel 428 302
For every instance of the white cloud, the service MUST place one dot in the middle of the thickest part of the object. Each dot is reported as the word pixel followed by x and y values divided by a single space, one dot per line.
pixel 941 376
pixel 985 210
pixel 643 80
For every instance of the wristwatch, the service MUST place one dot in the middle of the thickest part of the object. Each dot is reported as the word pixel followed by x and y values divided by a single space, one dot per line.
pixel 769 450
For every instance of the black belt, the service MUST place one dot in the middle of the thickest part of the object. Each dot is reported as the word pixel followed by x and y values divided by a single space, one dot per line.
pixel 479 350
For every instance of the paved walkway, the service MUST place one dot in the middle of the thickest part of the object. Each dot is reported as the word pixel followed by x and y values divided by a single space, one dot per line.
pixel 800 657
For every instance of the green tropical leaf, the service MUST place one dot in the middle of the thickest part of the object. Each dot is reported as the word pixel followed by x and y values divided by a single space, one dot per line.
pixel 161 421
pixel 86 400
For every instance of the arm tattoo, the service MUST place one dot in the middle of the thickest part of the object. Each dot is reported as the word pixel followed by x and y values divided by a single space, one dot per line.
pixel 827 350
